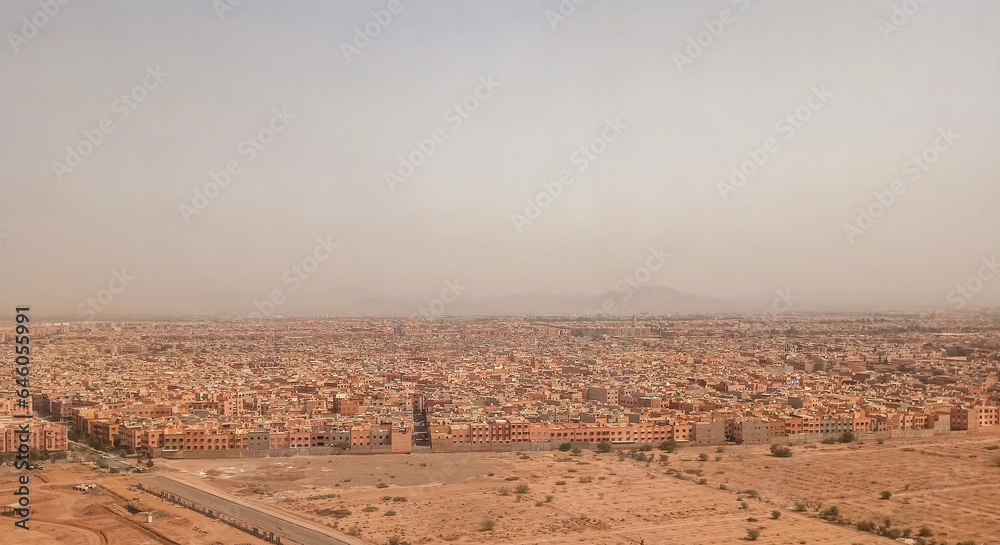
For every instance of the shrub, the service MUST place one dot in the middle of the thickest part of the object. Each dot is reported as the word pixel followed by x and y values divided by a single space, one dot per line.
pixel 521 489
pixel 586 479
pixel 886 494
pixel 381 485
pixel 386 498
pixel 925 532
pixel 577 451
pixel 752 493
pixel 668 446
pixel 780 451
pixel 702 481
pixel 399 499
pixel 487 525
pixel 396 540
pixel 566 447
pixel 891 533
pixel 753 534
pixel 703 457
pixel 831 513
pixel 829 441
pixel 865 526
pixel 604 447
pixel 723 486
pixel 560 483
pixel 720 450
pixel 335 513
pixel 503 491
pixel 664 459
pixel 645 448
pixel 390 513
pixel 993 447
pixel 356 530
pixel 512 478
pixel 370 509
pixel 799 507
pixel 776 515
pixel 548 499
pixel 847 437
pixel 743 505
pixel 996 461
pixel 751 519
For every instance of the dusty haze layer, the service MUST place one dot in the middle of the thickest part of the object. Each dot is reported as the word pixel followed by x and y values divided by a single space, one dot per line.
pixel 192 156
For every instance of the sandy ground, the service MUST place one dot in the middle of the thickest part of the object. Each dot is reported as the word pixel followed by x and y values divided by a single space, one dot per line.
pixel 449 497
pixel 948 485
pixel 67 517
pixel 952 487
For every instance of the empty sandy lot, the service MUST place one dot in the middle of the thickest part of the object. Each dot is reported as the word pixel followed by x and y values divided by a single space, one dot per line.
pixel 67 517
pixel 948 485
pixel 449 498
pixel 952 487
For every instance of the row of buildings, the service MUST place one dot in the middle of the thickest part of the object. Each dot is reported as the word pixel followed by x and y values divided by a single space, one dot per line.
pixel 238 387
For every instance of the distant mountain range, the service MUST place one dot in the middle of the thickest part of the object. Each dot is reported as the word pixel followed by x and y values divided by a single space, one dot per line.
pixel 650 299
pixel 656 300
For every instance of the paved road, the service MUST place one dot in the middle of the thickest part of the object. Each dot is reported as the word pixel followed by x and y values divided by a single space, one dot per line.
pixel 272 522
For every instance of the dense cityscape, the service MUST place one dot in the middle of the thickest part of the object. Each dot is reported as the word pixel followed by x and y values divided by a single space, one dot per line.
pixel 329 386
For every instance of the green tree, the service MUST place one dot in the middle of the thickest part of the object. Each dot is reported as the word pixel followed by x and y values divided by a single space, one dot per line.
pixel 780 451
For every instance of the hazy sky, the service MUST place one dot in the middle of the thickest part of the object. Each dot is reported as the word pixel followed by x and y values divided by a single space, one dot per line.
pixel 872 96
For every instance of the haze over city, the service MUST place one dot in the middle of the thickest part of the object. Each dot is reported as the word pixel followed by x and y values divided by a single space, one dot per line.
pixel 215 77
pixel 396 272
